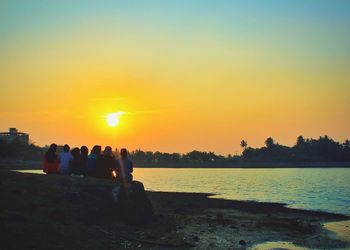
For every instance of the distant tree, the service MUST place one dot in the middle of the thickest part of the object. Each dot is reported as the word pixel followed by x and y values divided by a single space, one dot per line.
pixel 300 141
pixel 346 144
pixel 175 157
pixel 269 142
pixel 149 157
pixel 244 144
pixel 194 156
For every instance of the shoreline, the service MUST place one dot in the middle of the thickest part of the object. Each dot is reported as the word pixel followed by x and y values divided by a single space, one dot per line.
pixel 247 165
pixel 56 205
pixel 23 164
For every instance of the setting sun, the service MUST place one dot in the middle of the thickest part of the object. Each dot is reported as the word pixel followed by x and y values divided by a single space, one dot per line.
pixel 112 119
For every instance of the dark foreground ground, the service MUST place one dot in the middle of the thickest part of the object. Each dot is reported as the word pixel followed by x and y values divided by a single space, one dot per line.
pixel 63 212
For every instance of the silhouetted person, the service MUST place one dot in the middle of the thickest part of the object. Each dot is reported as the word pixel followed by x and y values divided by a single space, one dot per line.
pixel 65 158
pixel 51 161
pixel 76 163
pixel 107 164
pixel 84 152
pixel 125 167
pixel 92 160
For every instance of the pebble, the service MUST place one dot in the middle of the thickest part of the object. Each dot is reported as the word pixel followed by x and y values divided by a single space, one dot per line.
pixel 242 242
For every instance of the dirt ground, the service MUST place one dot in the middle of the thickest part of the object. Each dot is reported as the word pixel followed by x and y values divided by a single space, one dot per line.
pixel 63 212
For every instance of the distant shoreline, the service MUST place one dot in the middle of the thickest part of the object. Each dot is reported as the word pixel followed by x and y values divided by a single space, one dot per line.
pixel 247 165
pixel 22 164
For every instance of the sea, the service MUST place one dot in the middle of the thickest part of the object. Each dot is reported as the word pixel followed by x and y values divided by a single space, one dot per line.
pixel 320 189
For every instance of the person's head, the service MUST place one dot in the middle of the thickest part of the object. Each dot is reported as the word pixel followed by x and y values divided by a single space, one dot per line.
pixel 51 153
pixel 75 152
pixel 84 150
pixel 96 150
pixel 66 148
pixel 108 151
pixel 124 153
pixel 52 148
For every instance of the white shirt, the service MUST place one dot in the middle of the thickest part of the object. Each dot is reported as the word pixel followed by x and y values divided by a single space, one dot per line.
pixel 65 158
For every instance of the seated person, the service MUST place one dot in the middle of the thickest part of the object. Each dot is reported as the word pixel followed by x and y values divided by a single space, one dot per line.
pixel 65 157
pixel 92 160
pixel 84 152
pixel 125 167
pixel 76 165
pixel 107 164
pixel 51 161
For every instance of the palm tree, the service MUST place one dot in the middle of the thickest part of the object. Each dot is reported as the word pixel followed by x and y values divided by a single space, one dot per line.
pixel 244 144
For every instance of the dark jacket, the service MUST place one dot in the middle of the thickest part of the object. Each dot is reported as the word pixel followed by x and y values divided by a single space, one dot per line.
pixel 105 166
pixel 91 164
pixel 76 166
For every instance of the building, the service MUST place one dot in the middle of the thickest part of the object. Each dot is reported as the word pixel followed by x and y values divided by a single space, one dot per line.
pixel 13 134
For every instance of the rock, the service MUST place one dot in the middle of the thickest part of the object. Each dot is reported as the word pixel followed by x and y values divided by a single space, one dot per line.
pixel 242 242
pixel 133 206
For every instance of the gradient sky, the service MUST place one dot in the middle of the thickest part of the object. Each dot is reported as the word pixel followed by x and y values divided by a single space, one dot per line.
pixel 188 74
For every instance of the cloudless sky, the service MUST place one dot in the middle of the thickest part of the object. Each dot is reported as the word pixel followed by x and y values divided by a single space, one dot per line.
pixel 188 74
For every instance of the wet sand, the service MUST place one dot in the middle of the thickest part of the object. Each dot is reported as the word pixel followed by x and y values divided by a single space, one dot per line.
pixel 64 212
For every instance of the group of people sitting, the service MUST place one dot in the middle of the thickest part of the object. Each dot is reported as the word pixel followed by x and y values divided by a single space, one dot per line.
pixel 79 162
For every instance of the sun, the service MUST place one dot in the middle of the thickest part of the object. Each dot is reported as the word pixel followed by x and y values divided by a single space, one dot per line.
pixel 112 119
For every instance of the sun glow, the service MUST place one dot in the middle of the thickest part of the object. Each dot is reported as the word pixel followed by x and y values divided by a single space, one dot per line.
pixel 112 119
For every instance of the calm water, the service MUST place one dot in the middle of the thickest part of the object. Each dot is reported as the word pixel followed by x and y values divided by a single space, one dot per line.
pixel 316 189
pixel 312 188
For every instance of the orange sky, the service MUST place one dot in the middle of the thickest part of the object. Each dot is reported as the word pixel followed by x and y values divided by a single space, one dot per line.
pixel 184 82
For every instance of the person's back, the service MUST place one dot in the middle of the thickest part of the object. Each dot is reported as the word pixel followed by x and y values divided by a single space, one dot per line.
pixel 65 158
pixel 92 160
pixel 51 162
pixel 75 165
pixel 107 164
pixel 125 167
pixel 84 152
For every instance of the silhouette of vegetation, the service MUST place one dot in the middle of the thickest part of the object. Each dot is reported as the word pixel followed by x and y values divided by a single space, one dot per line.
pixel 244 144
pixel 323 149
pixel 20 150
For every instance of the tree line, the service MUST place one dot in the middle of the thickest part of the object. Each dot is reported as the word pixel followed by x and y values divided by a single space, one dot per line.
pixel 323 149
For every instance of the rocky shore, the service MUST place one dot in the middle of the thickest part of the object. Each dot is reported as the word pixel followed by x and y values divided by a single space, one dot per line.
pixel 63 212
